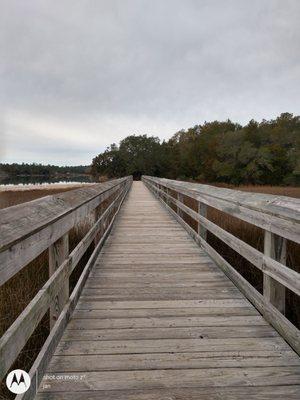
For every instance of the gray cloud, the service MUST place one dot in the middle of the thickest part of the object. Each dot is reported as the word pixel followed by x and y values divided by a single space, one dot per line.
pixel 77 75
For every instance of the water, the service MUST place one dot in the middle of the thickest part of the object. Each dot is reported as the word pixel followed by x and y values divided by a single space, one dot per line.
pixel 44 180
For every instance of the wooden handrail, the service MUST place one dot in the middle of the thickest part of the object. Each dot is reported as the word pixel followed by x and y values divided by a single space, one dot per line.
pixel 279 216
pixel 68 208
pixel 26 230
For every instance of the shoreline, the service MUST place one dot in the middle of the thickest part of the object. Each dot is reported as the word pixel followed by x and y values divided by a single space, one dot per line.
pixel 42 186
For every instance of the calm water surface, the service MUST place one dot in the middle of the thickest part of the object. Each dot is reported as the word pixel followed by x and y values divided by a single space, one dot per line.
pixel 40 180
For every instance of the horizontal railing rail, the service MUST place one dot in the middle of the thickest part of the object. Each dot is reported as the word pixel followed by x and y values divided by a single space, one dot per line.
pixel 278 216
pixel 26 231
pixel 30 228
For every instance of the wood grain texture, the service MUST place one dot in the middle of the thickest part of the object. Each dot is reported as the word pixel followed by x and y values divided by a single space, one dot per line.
pixel 58 253
pixel 157 319
pixel 204 393
pixel 176 378
pixel 289 331
pixel 273 266
pixel 14 339
pixel 278 214
pixel 274 292
pixel 39 366
pixel 28 229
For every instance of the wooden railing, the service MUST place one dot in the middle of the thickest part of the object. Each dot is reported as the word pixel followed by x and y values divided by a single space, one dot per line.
pixel 278 216
pixel 26 230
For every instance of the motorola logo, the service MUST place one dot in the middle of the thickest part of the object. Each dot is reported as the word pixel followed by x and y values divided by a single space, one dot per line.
pixel 18 381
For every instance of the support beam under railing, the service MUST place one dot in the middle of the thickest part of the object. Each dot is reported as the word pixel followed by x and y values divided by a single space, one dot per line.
pixel 58 253
pixel 202 210
pixel 179 198
pixel 274 292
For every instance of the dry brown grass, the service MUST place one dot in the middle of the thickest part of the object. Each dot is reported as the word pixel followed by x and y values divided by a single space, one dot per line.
pixel 16 293
pixel 290 191
pixel 13 197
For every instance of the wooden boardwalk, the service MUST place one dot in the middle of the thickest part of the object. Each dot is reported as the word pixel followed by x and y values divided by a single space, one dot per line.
pixel 158 320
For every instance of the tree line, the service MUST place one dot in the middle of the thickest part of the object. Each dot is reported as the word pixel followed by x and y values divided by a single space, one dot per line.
pixel 266 152
pixel 23 169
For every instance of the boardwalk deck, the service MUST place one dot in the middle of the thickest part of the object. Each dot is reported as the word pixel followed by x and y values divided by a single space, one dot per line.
pixel 157 319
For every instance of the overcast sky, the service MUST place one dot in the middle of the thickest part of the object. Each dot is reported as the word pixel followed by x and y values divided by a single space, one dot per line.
pixel 77 75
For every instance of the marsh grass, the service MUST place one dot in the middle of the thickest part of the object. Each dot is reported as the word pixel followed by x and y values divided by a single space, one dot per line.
pixel 13 197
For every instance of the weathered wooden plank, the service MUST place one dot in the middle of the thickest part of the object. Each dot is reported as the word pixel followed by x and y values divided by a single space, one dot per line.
pixel 145 239
pixel 107 283
pixel 146 249
pixel 276 392
pixel 166 322
pixel 169 345
pixel 110 380
pixel 148 224
pixel 206 267
pixel 149 260
pixel 131 260
pixel 148 293
pixel 156 275
pixel 102 283
pixel 127 362
pixel 190 332
pixel 162 304
pixel 91 312
pixel 181 256
pixel 147 253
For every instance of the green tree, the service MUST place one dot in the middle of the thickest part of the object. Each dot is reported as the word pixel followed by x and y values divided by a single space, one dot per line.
pixel 220 151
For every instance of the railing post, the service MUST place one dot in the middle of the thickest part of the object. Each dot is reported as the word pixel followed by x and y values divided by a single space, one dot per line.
pixel 167 198
pixel 179 198
pixel 159 188
pixel 274 292
pixel 202 210
pixel 58 252
pixel 94 218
